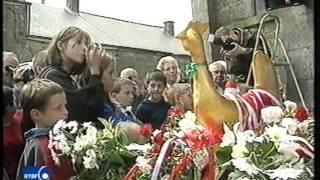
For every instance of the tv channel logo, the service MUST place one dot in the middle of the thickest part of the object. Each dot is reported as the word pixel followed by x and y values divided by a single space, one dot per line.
pixel 36 173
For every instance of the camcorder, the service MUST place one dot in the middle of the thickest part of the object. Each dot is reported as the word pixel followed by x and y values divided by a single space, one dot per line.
pixel 219 42
pixel 27 76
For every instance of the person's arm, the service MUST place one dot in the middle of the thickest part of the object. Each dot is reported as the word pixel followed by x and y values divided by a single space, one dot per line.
pixel 84 104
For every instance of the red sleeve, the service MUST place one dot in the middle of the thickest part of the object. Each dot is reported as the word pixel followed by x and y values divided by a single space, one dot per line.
pixel 59 172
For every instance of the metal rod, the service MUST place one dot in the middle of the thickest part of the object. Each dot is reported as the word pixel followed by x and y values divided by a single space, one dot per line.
pixel 292 73
pixel 277 21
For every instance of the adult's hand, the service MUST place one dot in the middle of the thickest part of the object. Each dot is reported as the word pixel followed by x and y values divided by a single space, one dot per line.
pixel 236 51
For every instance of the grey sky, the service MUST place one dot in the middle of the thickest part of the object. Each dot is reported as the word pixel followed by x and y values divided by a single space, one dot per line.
pixel 152 12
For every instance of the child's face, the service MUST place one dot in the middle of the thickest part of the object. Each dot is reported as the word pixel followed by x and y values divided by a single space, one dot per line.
pixel 125 96
pixel 186 100
pixel 155 90
pixel 55 110
pixel 74 50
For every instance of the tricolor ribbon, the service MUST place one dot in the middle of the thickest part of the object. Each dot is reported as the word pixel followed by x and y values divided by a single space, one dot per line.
pixel 192 68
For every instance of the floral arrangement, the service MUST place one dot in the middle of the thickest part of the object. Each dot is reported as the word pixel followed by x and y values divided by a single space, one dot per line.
pixel 283 149
pixel 181 148
pixel 97 151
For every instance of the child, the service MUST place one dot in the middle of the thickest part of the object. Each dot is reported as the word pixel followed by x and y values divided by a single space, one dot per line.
pixel 180 95
pixel 154 109
pixel 44 101
pixel 13 142
pixel 122 93
pixel 67 56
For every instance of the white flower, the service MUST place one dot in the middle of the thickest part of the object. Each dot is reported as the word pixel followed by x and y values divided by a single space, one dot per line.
pixel 259 139
pixel 289 150
pixel 90 160
pixel 190 115
pixel 143 165
pixel 91 131
pixel 228 138
pixel 277 134
pixel 85 140
pixel 201 158
pixel 285 173
pixel 290 124
pixel 243 165
pixel 271 114
pixel 188 123
pixel 73 125
pixel 73 158
pixel 246 136
pixel 56 128
pixel 86 124
pixel 290 106
pixel 63 146
pixel 52 152
pixel 166 135
pixel 179 134
pixel 303 126
pixel 239 150
pixel 143 148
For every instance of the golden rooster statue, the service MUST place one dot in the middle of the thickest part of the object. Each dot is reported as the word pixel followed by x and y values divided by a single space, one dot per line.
pixel 210 107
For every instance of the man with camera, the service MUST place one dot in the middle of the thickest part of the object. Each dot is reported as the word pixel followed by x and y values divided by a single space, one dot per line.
pixel 237 50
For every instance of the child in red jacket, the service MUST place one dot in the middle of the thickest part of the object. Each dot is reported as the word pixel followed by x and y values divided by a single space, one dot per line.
pixel 44 101
pixel 13 142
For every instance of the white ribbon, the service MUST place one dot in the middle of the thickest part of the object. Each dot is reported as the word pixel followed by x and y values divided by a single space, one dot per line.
pixel 160 159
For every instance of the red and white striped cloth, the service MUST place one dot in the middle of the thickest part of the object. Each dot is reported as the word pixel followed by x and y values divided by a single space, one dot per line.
pixel 249 106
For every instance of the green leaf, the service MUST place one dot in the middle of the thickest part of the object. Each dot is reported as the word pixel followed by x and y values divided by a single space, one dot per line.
pixel 223 154
pixel 115 158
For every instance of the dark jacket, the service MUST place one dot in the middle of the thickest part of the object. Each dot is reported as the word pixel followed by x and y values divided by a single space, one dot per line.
pixel 36 153
pixel 84 104
pixel 154 113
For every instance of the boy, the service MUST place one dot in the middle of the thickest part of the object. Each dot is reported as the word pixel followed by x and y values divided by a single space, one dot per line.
pixel 43 102
pixel 122 95
pixel 154 109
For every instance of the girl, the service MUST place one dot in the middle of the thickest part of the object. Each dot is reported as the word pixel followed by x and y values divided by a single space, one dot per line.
pixel 67 56
pixel 180 96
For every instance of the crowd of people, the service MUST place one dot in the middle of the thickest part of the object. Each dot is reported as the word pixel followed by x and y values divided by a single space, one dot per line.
pixel 73 79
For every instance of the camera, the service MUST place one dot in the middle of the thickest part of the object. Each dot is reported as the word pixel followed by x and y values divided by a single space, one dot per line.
pixel 219 42
pixel 28 75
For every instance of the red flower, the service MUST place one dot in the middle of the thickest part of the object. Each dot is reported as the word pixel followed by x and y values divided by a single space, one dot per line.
pixel 159 139
pixel 175 112
pixel 195 139
pixel 181 167
pixel 213 137
pixel 301 114
pixel 146 130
